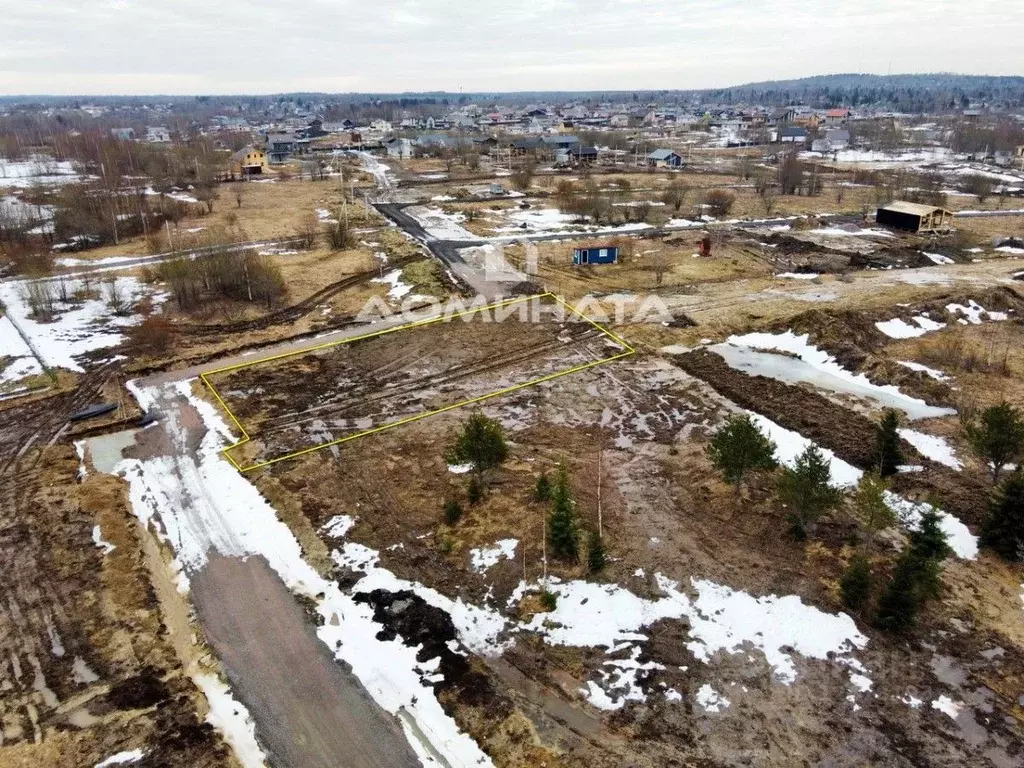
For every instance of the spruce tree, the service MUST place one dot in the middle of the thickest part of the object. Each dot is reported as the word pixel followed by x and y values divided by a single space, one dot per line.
pixel 928 540
pixel 806 490
pixel 562 520
pixel 901 601
pixel 739 447
pixel 452 511
pixel 542 491
pixel 1003 529
pixel 480 442
pixel 998 437
pixel 869 503
pixel 856 583
pixel 595 553
pixel 474 491
pixel 888 454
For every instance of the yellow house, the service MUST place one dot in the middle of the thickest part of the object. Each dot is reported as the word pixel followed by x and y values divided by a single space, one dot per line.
pixel 249 161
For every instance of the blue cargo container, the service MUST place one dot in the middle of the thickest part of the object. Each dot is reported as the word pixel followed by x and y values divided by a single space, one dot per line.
pixel 606 254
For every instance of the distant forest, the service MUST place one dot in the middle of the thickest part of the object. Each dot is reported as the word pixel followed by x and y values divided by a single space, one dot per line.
pixel 926 93
pixel 899 93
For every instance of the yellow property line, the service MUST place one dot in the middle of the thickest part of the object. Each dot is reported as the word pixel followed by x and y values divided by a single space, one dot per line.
pixel 408 420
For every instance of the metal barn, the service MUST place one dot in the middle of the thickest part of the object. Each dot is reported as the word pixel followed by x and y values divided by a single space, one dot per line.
pixel 600 254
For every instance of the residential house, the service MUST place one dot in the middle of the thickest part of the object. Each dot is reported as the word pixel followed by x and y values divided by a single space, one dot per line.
pixel 158 135
pixel 123 134
pixel 782 116
pixel 837 116
pixel 280 147
pixel 314 130
pixel 619 121
pixel 399 148
pixel 664 158
pixel 576 155
pixel 249 161
pixel 793 134
pixel 381 127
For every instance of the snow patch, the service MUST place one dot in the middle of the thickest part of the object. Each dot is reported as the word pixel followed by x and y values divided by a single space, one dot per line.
pixel 483 558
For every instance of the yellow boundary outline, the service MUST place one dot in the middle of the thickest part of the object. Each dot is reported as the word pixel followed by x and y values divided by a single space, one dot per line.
pixel 629 350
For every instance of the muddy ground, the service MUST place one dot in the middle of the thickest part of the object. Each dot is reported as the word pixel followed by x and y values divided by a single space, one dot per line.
pixel 88 669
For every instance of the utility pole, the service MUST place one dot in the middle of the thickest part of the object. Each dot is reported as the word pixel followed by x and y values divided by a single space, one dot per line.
pixel 600 457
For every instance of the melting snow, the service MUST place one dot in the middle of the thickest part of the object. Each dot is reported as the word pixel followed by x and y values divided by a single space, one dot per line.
pixel 338 526
pixel 817 367
pixel 483 558
pixel 933 447
pixel 900 329
pixel 937 375
pixel 97 539
pixel 963 543
pixel 122 758
pixel 947 706
pixel 231 719
pixel 711 699
pixel 721 620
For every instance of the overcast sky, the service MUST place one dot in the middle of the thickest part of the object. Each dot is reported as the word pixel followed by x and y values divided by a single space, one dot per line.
pixel 273 46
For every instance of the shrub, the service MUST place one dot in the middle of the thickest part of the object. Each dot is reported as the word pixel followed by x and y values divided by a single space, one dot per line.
pixel 452 511
pixel 856 583
pixel 474 491
pixel 542 490
pixel 719 201
pixel 595 553
pixel 153 336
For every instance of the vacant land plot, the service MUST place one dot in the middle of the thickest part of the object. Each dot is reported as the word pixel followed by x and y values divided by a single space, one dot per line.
pixel 303 402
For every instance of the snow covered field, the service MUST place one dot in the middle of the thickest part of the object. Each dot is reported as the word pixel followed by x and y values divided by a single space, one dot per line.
pixel 79 327
pixel 20 360
pixel 22 174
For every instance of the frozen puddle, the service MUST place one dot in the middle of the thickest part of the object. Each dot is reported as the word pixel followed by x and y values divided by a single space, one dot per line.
pixel 755 354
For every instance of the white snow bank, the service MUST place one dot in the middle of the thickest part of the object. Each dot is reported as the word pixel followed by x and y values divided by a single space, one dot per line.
pixel 484 558
pixel 815 366
pixel 974 313
pixel 232 720
pixel 122 758
pixel 963 543
pixel 798 276
pixel 789 445
pixel 947 706
pixel 938 258
pixel 338 526
pixel 97 539
pixel 932 447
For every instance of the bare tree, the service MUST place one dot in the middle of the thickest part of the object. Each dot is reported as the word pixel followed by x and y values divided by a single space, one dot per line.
pixel 40 299
pixel 238 190
pixel 791 174
pixel 114 297
pixel 769 197
pixel 659 265
pixel 719 201
pixel 308 232
pixel 980 186
pixel 675 195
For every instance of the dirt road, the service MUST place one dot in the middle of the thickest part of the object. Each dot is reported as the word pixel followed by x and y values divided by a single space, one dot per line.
pixel 310 711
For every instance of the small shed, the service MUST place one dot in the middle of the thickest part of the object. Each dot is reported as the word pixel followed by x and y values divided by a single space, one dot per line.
pixel 914 217
pixel 595 254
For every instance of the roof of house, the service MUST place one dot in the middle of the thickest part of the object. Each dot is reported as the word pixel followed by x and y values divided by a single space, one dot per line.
pixel 838 135
pixel 795 131
pixel 662 154
pixel 243 152
pixel 914 209
pixel 843 112
pixel 584 151
pixel 560 141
